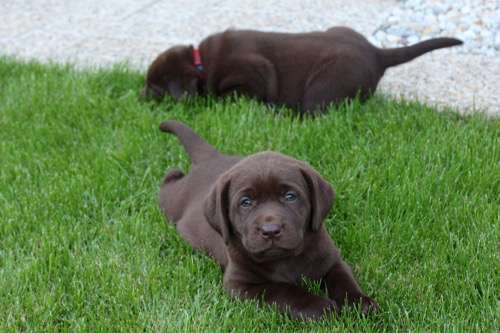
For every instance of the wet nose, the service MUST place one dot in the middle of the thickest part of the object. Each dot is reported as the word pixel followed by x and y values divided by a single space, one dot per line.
pixel 270 230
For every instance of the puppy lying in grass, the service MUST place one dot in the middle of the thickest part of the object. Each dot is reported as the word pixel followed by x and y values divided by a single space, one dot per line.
pixel 261 218
pixel 306 71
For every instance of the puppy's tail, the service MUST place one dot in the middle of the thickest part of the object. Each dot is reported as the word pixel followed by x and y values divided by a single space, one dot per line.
pixel 395 56
pixel 197 148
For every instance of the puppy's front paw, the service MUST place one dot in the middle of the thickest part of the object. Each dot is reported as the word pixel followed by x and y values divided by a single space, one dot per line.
pixel 368 305
pixel 316 309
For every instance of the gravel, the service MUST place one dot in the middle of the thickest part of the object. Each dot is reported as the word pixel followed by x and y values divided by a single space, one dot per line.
pixel 476 22
pixel 96 32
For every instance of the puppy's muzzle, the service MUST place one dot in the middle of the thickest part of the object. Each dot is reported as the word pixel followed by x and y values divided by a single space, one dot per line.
pixel 270 230
pixel 151 93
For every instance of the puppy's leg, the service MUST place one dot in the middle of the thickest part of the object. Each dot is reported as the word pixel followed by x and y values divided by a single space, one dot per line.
pixel 299 303
pixel 170 198
pixel 202 237
pixel 251 75
pixel 343 288
pixel 336 80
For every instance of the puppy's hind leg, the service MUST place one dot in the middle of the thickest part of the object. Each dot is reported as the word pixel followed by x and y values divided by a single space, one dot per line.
pixel 336 80
pixel 170 190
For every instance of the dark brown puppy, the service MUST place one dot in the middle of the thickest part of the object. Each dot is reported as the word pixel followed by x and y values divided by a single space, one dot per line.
pixel 261 218
pixel 304 71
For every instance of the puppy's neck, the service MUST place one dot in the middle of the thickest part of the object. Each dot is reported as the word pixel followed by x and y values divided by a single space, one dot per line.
pixel 197 60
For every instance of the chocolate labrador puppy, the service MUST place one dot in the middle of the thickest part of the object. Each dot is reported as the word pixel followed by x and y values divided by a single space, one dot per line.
pixel 306 71
pixel 261 218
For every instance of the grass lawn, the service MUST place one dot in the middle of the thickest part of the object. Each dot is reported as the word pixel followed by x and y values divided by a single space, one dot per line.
pixel 83 245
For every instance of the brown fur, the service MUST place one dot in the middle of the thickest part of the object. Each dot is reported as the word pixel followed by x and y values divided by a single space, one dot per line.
pixel 305 71
pixel 261 218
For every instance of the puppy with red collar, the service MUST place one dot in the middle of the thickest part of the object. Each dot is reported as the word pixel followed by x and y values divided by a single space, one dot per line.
pixel 304 71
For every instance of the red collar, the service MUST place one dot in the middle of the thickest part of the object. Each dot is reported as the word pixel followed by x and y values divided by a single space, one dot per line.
pixel 197 60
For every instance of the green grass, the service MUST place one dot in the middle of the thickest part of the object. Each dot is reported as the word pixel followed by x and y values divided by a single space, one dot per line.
pixel 83 245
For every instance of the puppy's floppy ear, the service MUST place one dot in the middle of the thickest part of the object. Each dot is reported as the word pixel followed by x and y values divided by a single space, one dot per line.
pixel 216 207
pixel 321 196
pixel 182 76
pixel 175 89
pixel 187 86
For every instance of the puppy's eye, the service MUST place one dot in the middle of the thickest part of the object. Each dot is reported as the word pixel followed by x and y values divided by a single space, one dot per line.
pixel 246 202
pixel 290 196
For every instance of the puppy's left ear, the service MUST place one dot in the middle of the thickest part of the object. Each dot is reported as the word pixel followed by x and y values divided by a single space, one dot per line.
pixel 216 207
pixel 185 86
pixel 188 79
pixel 321 196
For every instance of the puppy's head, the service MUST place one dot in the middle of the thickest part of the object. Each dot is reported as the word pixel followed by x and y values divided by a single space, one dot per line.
pixel 172 73
pixel 267 203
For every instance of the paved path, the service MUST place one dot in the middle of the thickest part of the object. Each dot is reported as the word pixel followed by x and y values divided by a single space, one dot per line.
pixel 93 32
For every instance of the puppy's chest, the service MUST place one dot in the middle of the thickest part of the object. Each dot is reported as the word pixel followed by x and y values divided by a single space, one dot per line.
pixel 294 271
pixel 289 275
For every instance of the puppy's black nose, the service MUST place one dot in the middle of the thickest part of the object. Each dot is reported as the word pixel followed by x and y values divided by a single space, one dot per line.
pixel 270 230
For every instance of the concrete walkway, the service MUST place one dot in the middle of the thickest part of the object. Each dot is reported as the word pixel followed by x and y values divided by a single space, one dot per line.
pixel 95 32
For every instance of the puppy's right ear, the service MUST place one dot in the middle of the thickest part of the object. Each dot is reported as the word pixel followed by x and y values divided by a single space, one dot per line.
pixel 216 207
